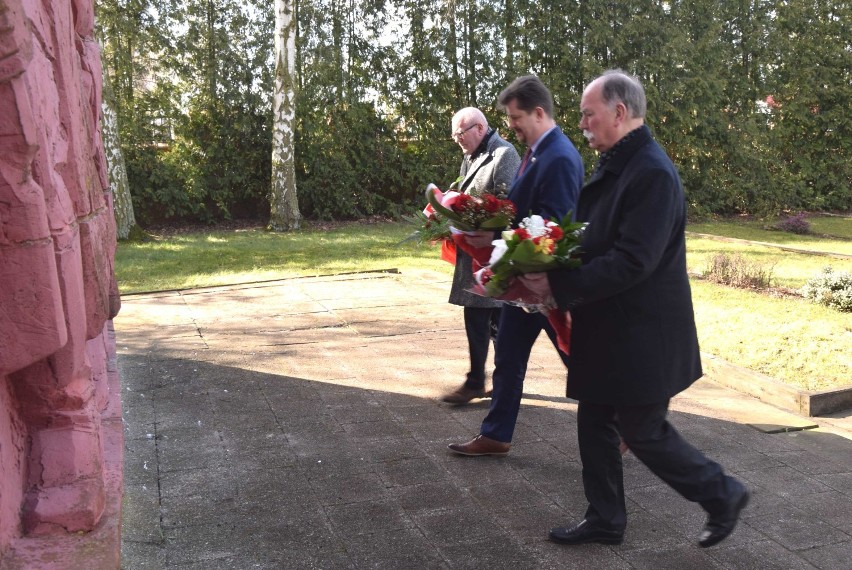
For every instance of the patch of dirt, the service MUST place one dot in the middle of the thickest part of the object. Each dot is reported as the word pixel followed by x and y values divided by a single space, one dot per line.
pixel 180 228
pixel 783 293
pixel 324 225
pixel 777 292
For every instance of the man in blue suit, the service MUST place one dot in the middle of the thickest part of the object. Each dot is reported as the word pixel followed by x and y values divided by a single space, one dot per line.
pixel 548 184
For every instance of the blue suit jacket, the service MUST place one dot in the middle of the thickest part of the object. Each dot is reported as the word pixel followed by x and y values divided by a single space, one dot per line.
pixel 551 181
pixel 549 187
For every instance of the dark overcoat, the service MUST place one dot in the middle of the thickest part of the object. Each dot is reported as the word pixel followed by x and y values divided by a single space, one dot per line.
pixel 634 340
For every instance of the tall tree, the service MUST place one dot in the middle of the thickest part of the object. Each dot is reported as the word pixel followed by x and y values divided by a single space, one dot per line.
pixel 811 87
pixel 125 219
pixel 378 81
pixel 285 213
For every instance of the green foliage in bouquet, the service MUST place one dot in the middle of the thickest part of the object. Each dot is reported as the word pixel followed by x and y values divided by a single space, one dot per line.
pixel 536 246
pixel 430 229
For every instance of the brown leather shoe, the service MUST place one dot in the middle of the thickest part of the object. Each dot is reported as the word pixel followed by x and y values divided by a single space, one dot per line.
pixel 463 395
pixel 481 445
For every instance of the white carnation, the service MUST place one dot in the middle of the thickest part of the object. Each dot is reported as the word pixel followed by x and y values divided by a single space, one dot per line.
pixel 535 226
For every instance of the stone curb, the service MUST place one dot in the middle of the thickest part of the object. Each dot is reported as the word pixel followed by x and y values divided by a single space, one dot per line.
pixel 767 389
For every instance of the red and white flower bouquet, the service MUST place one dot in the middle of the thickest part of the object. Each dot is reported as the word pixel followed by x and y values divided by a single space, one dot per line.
pixel 431 228
pixel 536 246
pixel 472 215
pixel 468 213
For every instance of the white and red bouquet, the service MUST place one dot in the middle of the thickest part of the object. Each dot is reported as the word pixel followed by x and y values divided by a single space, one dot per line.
pixel 471 214
pixel 537 245
pixel 467 212
pixel 431 228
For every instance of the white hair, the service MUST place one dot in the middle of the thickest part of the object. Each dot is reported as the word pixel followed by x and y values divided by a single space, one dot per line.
pixel 471 116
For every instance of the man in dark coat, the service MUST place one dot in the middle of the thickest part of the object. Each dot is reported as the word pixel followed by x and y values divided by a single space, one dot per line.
pixel 488 166
pixel 548 183
pixel 633 344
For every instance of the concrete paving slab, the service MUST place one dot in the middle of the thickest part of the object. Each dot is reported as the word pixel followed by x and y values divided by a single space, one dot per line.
pixel 296 424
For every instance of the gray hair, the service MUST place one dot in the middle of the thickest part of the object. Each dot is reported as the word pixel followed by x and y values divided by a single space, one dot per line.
pixel 618 86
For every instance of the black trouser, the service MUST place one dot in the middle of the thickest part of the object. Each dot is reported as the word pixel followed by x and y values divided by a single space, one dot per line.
pixel 654 441
pixel 480 326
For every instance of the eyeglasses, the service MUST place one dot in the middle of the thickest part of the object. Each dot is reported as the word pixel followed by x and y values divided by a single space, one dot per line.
pixel 459 134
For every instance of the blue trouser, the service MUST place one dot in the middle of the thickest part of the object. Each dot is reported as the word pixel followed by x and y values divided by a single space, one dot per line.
pixel 515 339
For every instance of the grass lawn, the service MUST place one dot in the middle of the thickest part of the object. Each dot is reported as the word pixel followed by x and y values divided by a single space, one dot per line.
pixel 789 269
pixel 838 227
pixel 201 259
pixel 795 341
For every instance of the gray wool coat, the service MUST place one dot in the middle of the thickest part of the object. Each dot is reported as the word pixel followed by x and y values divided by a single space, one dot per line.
pixel 491 171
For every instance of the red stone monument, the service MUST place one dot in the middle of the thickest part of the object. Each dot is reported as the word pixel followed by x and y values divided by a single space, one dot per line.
pixel 60 421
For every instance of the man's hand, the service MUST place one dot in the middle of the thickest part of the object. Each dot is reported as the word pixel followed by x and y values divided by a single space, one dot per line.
pixel 476 244
pixel 538 294
pixel 479 238
pixel 537 283
pixel 539 286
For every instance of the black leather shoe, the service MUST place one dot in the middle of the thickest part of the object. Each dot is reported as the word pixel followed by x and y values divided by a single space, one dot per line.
pixel 585 532
pixel 718 527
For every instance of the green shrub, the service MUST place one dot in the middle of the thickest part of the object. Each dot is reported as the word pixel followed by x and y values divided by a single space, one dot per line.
pixel 830 288
pixel 352 163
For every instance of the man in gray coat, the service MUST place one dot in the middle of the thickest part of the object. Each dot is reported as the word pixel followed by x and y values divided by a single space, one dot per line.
pixel 488 166
pixel 633 341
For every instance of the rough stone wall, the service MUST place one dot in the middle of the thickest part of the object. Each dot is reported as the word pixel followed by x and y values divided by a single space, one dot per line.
pixel 57 286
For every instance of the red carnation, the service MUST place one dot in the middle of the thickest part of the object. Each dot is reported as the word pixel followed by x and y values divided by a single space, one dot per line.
pixel 491 203
pixel 462 203
pixel 556 233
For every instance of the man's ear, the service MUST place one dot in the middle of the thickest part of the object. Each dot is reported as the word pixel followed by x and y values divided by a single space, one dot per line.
pixel 620 112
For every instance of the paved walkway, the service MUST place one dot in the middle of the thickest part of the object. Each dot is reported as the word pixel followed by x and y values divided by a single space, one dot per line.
pixel 294 424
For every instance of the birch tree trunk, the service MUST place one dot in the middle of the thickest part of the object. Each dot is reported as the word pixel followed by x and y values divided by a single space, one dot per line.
pixel 285 213
pixel 125 219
